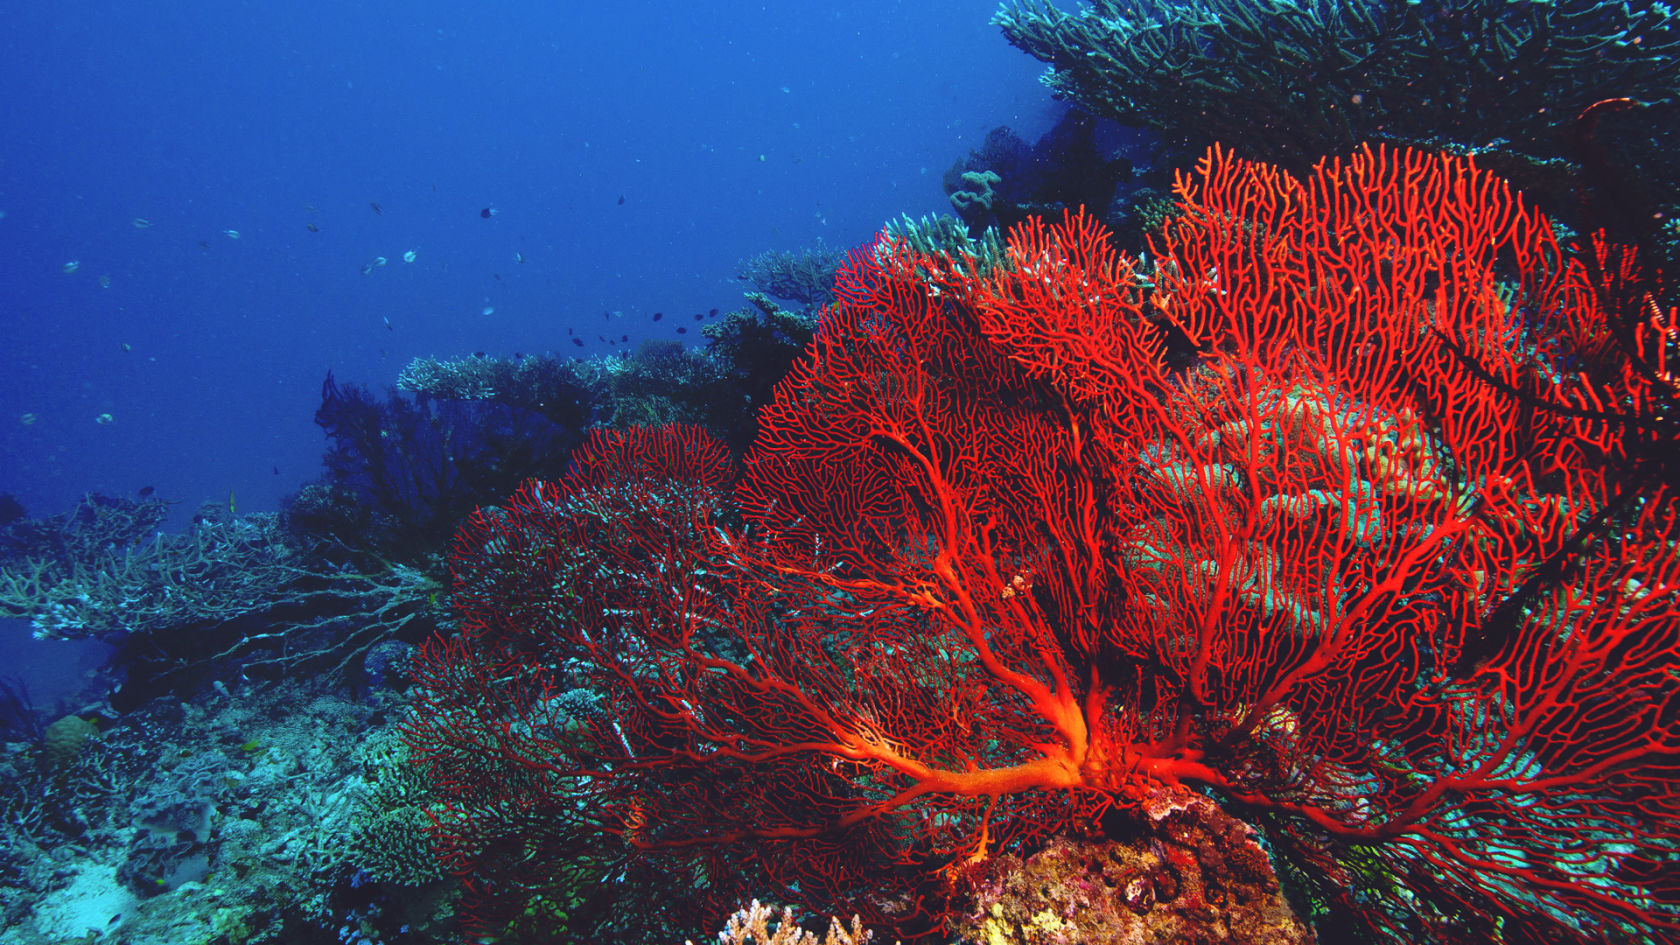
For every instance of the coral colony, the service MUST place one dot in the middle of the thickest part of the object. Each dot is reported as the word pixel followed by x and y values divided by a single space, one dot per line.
pixel 1263 529
pixel 1322 515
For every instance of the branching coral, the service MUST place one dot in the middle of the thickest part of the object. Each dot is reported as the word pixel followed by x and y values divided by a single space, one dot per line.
pixel 803 276
pixel 1357 564
pixel 941 235
pixel 547 385
pixel 230 595
pixel 751 926
pixel 212 573
pixel 1295 80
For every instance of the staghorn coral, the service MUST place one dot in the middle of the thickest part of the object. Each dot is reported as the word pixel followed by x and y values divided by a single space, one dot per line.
pixel 214 572
pixel 230 596
pixel 751 926
pixel 99 525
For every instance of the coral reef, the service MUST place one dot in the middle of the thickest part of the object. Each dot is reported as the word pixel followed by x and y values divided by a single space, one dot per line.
pixel 389 840
pixel 1188 874
pixel 20 717
pixel 545 384
pixel 403 470
pixel 802 276
pixel 256 816
pixel 970 585
pixel 1080 162
pixel 941 235
pixel 721 386
pixel 231 597
pixel 751 926
pixel 1362 559
pixel 1294 80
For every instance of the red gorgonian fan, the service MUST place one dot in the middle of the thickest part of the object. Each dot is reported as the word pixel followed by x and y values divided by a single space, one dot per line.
pixel 1359 563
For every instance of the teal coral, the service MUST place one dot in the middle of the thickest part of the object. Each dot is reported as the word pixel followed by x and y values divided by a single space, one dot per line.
pixel 559 389
pixel 1293 80
pixel 981 190
pixel 804 276
pixel 945 235
pixel 388 838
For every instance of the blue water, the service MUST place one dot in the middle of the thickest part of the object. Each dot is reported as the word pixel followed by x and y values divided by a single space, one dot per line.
pixel 727 128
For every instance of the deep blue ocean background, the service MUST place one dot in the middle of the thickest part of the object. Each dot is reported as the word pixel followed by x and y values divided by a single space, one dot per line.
pixel 634 153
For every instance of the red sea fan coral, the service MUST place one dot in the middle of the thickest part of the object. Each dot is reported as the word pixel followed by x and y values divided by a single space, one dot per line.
pixel 1353 560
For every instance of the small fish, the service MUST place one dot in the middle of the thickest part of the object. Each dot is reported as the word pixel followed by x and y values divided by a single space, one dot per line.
pixel 408 257
pixel 518 257
pixel 29 419
pixel 367 269
pixel 127 347
pixel 658 315
pixel 621 200
pixel 203 244
pixel 375 207
pixel 623 338
pixel 698 316
pixel 712 313
pixel 379 260
pixel 231 234
pixel 140 223
pixel 232 509
pixel 277 469
pixel 488 310
pixel 104 419
pixel 681 330
pixel 146 491
pixel 388 323
pixel 71 266
pixel 312 228
pixel 104 281
pixel 488 212
pixel 575 341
